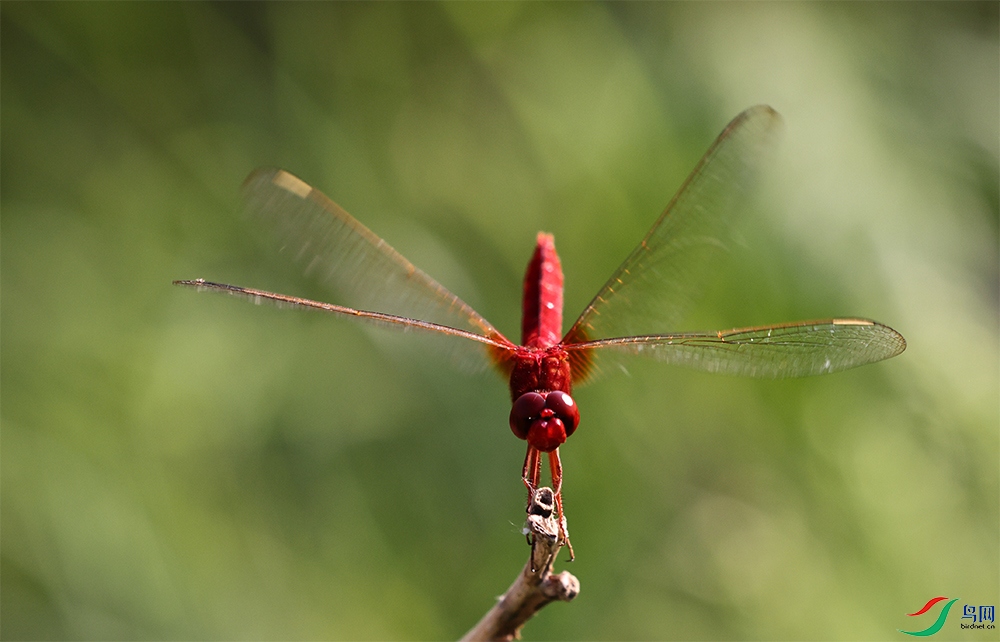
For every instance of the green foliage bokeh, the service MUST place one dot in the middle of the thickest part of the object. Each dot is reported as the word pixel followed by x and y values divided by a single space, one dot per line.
pixel 181 466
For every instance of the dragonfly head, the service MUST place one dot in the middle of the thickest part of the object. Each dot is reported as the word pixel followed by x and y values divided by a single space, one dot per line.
pixel 545 420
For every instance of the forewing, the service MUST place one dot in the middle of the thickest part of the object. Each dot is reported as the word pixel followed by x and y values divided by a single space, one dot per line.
pixel 464 348
pixel 660 278
pixel 770 352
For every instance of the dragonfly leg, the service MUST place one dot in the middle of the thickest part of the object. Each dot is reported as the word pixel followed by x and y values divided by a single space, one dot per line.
pixel 530 473
pixel 555 466
pixel 532 469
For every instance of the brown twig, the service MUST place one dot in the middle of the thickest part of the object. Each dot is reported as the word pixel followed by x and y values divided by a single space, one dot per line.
pixel 536 585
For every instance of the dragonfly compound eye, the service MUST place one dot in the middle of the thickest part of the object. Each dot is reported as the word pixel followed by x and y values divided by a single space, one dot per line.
pixel 565 409
pixel 525 410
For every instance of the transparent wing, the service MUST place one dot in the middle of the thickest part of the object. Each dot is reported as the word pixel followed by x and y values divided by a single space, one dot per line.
pixel 786 350
pixel 660 278
pixel 384 288
pixel 500 350
pixel 344 254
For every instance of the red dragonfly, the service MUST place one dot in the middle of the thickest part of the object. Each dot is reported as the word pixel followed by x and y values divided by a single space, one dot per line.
pixel 645 293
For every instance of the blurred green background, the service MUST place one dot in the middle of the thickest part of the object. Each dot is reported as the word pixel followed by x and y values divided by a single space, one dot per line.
pixel 186 466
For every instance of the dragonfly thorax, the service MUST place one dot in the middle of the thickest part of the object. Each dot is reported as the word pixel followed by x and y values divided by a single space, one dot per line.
pixel 540 371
